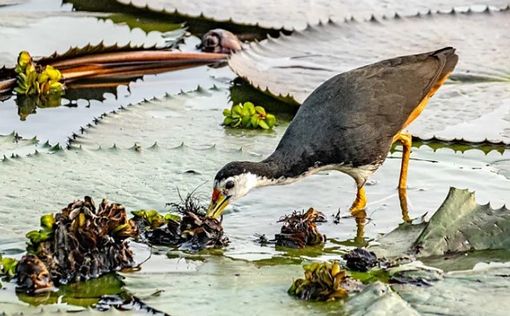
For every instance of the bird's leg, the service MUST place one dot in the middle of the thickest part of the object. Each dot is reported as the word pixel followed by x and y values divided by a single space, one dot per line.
pixel 406 140
pixel 360 202
pixel 360 217
pixel 359 214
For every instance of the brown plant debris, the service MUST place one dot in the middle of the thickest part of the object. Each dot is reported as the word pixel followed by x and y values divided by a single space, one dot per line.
pixel 78 243
pixel 299 229
pixel 324 281
pixel 191 231
pixel 361 260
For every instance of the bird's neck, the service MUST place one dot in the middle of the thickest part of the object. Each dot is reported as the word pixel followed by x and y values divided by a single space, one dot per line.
pixel 269 173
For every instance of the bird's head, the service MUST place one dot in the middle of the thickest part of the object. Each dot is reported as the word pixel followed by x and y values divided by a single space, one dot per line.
pixel 232 182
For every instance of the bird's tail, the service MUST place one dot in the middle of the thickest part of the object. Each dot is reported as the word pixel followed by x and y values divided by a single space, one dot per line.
pixel 448 59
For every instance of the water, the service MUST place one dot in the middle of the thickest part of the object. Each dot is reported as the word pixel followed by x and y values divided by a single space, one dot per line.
pixel 186 128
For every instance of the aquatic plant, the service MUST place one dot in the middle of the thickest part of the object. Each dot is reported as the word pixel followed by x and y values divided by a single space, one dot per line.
pixel 33 79
pixel 78 243
pixel 248 115
pixel 192 230
pixel 8 266
pixel 323 282
pixel 300 229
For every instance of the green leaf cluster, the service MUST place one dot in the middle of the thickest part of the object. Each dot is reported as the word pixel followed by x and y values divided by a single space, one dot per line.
pixel 33 79
pixel 154 218
pixel 323 281
pixel 35 237
pixel 248 115
pixel 8 267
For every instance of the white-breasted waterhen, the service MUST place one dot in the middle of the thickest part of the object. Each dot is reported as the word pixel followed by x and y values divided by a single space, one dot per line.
pixel 347 124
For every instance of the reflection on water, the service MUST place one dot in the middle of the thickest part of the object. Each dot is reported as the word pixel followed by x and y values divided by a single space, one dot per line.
pixel 86 293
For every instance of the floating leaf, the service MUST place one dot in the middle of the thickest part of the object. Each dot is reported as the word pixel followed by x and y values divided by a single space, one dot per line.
pixel 474 105
pixel 474 292
pixel 294 14
pixel 459 225
pixel 39 34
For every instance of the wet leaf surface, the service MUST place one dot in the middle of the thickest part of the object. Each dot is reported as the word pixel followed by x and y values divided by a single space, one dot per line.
pixel 465 292
pixel 473 106
pixel 73 29
pixel 292 14
pixel 460 225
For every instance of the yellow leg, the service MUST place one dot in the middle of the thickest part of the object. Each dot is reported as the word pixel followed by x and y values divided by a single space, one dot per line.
pixel 360 202
pixel 406 139
pixel 359 214
pixel 360 218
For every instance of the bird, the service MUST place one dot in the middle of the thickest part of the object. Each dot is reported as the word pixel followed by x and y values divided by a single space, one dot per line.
pixel 348 124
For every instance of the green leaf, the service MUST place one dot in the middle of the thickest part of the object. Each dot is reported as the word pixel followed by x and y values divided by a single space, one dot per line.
pixel 8 266
pixel 254 120
pixel 172 217
pixel 270 120
pixel 250 107
pixel 260 110
pixel 245 121
pixel 459 225
pixel 47 221
pixel 237 109
pixel 227 112
pixel 263 124
pixel 481 76
pixel 227 121
pixel 245 112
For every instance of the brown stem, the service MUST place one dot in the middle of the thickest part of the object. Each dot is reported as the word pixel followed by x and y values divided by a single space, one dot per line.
pixel 139 56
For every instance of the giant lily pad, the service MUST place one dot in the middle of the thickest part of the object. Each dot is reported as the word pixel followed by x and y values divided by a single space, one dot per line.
pixel 140 174
pixel 459 225
pixel 43 35
pixel 291 14
pixel 80 108
pixel 461 110
pixel 476 292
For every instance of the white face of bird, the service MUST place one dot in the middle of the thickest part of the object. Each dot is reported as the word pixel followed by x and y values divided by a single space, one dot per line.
pixel 228 190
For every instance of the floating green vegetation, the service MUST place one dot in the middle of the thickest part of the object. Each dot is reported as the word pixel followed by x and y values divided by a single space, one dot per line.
pixel 324 281
pixel 154 218
pixel 248 115
pixel 33 79
pixel 8 267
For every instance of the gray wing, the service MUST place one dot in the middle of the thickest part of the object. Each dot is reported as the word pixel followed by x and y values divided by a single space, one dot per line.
pixel 353 117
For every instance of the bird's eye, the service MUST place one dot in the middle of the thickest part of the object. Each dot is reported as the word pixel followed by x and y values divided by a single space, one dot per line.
pixel 229 184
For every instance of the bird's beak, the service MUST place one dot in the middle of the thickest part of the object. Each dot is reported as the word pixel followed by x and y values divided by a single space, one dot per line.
pixel 218 204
